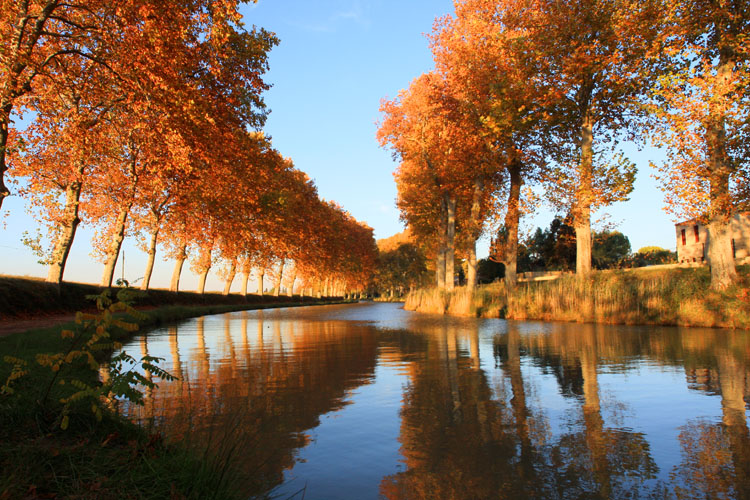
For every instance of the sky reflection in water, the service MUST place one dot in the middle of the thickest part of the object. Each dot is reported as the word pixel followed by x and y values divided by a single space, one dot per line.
pixel 370 401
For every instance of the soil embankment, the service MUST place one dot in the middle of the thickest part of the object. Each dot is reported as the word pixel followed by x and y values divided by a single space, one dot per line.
pixel 28 303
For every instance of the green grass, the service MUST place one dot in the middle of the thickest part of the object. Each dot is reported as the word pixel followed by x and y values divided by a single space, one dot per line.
pixel 660 297
pixel 112 458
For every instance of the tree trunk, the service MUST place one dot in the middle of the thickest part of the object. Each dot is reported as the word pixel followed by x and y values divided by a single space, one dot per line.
pixel 277 287
pixel 119 228
pixel 440 267
pixel 204 265
pixel 230 277
pixel 440 256
pixel 471 266
pixel 291 286
pixel 582 210
pixel 476 208
pixel 450 240
pixel 247 268
pixel 202 280
pixel 174 285
pixel 245 279
pixel 151 257
pixel 512 217
pixel 114 248
pixel 64 240
pixel 720 258
pixel 261 274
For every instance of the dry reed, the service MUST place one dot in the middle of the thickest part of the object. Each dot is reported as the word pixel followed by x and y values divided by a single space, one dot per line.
pixel 662 297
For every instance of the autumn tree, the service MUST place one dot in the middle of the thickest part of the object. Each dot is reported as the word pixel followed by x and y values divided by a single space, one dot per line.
pixel 400 269
pixel 34 36
pixel 703 102
pixel 60 152
pixel 426 128
pixel 482 51
pixel 594 59
pixel 160 119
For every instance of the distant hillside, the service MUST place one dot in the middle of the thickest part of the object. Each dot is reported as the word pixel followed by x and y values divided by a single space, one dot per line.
pixel 393 242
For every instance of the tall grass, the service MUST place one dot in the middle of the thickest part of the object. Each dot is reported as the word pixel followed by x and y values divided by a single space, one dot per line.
pixel 663 297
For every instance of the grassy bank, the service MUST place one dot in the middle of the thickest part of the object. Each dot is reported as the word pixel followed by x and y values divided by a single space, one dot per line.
pixel 660 297
pixel 22 297
pixel 98 454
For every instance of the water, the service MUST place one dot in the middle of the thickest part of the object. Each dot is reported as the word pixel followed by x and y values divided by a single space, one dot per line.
pixel 369 401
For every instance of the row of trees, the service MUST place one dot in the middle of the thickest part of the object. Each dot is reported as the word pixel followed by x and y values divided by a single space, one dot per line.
pixel 147 121
pixel 401 266
pixel 538 93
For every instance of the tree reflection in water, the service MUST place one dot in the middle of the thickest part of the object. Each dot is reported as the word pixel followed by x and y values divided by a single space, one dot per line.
pixel 251 405
pixel 468 428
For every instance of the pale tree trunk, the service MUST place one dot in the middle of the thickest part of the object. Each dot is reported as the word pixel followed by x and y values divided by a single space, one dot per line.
pixel 471 267
pixel 291 285
pixel 476 207
pixel 64 240
pixel 512 217
pixel 720 258
pixel 174 284
pixel 151 258
pixel 246 269
pixel 582 210
pixel 245 279
pixel 230 277
pixel 450 247
pixel 442 246
pixel 261 274
pixel 114 248
pixel 440 267
pixel 204 264
pixel 280 275
pixel 119 228
pixel 202 280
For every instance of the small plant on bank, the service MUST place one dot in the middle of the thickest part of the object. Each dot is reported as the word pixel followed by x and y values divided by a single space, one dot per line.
pixel 67 388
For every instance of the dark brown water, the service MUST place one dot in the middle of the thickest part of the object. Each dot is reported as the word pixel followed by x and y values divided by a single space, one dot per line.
pixel 369 401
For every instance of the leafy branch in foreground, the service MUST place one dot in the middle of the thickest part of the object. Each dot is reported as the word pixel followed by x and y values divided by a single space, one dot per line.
pixel 85 345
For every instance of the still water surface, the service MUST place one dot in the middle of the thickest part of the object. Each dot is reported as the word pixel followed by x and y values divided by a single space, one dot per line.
pixel 370 401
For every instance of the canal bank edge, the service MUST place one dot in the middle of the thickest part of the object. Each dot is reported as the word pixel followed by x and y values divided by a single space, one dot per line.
pixel 665 297
pixel 112 458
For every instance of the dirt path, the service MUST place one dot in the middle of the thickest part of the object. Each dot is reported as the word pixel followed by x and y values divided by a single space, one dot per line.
pixel 15 325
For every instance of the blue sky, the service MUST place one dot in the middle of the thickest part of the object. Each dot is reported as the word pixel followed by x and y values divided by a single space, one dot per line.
pixel 336 61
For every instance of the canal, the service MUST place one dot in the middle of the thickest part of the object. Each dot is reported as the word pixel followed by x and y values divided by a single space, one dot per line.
pixel 369 401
